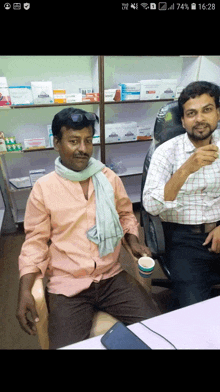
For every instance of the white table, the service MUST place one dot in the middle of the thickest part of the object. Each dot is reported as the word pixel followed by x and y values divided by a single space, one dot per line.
pixel 193 327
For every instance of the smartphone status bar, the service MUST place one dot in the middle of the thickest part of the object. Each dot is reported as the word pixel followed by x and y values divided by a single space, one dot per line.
pixel 164 6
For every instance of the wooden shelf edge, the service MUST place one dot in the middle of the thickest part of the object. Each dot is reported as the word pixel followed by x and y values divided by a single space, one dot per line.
pixel 130 141
pixel 95 144
pixel 139 101
pixel 52 105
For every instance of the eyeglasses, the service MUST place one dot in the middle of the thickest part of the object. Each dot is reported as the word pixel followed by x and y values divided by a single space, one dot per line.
pixel 79 117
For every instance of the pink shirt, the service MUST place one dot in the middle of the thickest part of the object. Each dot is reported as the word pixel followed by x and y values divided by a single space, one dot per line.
pixel 58 211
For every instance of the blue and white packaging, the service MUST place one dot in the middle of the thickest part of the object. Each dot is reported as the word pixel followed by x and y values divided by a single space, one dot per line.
pixel 50 135
pixel 21 95
pixel 130 91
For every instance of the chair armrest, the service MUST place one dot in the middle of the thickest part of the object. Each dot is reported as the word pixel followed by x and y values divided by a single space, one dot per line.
pixel 128 249
pixel 38 292
pixel 154 234
pixel 41 307
pixel 101 323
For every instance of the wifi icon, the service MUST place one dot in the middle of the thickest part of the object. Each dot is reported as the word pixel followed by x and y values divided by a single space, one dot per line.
pixel 145 6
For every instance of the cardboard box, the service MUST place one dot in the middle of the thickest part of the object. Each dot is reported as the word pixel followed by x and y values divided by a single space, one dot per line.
pixel 59 96
pixel 168 88
pixel 21 95
pixel 42 92
pixel 74 97
pixel 130 91
pixel 150 89
pixel 96 139
pixel 35 175
pixel 5 99
pixel 19 183
pixel 178 91
pixel 50 135
pixel 32 144
pixel 110 94
pixel 91 97
pixel 85 90
pixel 128 131
pixel 144 133
pixel 112 133
pixel 121 132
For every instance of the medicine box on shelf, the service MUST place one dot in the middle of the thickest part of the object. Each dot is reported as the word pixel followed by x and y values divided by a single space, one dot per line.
pixel 168 88
pixel 5 99
pixel 20 183
pixel 30 144
pixel 35 175
pixel 130 91
pixel 21 95
pixel 150 89
pixel 121 132
pixel 144 133
pixel 42 92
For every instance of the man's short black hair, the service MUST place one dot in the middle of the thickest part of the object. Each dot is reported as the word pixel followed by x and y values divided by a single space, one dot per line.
pixel 63 118
pixel 195 89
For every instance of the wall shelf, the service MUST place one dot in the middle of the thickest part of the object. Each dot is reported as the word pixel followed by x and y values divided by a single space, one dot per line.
pixel 137 101
pixel 52 105
pixel 130 141
pixel 99 72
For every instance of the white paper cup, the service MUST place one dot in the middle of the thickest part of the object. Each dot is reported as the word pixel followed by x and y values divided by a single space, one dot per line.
pixel 146 266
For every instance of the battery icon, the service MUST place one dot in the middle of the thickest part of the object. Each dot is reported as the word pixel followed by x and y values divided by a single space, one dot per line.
pixel 193 6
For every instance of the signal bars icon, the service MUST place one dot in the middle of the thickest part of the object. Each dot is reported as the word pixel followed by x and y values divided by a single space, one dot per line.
pixel 172 7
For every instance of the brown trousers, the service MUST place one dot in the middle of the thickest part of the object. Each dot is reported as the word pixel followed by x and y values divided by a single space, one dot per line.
pixel 70 318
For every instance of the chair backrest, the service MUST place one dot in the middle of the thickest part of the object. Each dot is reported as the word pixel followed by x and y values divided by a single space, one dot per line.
pixel 167 125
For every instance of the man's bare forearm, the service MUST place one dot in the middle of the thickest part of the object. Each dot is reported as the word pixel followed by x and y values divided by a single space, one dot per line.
pixel 27 281
pixel 174 185
pixel 131 239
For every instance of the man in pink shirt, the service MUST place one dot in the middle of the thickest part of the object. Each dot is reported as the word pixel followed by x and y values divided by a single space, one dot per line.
pixel 75 219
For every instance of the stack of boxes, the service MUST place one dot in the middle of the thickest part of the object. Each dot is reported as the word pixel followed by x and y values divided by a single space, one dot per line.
pixel 149 90
pixel 130 91
pixel 146 90
pixel 41 92
pixel 121 132
pixel 126 132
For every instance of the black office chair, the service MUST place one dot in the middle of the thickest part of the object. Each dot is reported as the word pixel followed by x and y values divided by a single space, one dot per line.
pixel 167 125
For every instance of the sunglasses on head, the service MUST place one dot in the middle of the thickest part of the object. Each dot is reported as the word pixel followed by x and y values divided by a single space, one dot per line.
pixel 79 117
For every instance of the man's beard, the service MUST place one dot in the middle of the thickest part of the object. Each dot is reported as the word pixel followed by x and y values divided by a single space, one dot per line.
pixel 200 136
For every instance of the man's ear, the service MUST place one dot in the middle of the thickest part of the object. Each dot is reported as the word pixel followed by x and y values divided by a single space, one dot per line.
pixel 56 143
pixel 183 124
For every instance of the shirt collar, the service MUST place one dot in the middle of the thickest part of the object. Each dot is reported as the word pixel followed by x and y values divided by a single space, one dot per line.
pixel 216 136
pixel 189 146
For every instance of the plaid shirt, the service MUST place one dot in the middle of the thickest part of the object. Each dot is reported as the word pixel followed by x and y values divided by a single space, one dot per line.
pixel 198 201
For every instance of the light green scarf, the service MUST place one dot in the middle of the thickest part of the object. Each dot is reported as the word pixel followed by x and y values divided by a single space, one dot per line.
pixel 107 232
